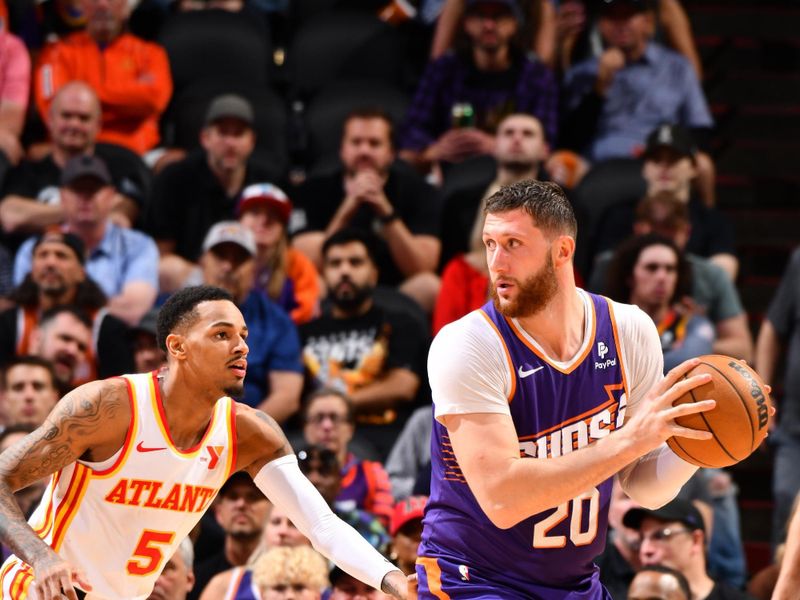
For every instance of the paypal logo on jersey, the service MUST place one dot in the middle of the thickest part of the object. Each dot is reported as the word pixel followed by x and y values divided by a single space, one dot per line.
pixel 602 350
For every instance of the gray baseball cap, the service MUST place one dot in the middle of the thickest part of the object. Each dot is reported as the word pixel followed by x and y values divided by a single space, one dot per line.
pixel 233 232
pixel 229 106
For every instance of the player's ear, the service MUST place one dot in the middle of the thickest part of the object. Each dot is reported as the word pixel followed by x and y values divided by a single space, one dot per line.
pixel 563 249
pixel 176 345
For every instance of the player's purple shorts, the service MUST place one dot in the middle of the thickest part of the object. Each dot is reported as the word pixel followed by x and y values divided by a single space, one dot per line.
pixel 442 579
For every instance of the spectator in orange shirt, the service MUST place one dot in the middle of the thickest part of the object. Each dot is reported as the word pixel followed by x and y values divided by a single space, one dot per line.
pixel 290 278
pixel 130 76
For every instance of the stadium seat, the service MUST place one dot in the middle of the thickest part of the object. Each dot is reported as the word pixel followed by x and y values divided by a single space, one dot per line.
pixel 343 45
pixel 216 45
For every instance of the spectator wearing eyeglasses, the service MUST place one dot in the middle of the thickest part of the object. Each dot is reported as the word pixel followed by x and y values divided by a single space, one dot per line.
pixel 675 536
pixel 323 470
pixel 651 272
pixel 329 422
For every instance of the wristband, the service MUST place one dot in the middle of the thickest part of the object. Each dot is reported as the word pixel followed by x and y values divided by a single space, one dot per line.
pixel 392 216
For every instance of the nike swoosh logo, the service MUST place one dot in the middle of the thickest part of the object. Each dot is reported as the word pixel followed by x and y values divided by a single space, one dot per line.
pixel 142 448
pixel 523 373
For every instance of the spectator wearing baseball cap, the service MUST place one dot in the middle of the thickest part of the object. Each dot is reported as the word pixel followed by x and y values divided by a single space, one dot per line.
pixel 287 276
pixel 406 531
pixel 675 536
pixel 58 278
pixel 192 194
pixel 123 262
pixel 274 372
pixel 670 167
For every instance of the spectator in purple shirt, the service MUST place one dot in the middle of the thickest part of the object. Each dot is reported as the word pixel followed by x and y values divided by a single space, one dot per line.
pixel 464 94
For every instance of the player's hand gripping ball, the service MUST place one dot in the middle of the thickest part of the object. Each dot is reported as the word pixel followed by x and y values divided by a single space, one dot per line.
pixel 740 420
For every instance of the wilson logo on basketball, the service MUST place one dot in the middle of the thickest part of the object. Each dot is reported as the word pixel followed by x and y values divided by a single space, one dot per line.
pixel 755 392
pixel 214 453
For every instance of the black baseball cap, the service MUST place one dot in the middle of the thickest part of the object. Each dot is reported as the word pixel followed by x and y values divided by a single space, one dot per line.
pixel 510 5
pixel 235 478
pixel 679 510
pixel 84 166
pixel 229 106
pixel 668 135
pixel 636 5
pixel 72 241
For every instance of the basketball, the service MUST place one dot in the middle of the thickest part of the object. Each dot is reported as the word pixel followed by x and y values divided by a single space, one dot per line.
pixel 739 422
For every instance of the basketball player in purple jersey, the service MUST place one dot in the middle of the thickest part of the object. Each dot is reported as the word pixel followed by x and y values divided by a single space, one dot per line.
pixel 529 392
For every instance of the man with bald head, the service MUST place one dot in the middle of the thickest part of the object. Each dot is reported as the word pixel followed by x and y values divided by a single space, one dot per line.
pixel 31 198
pixel 130 76
pixel 520 149
pixel 659 583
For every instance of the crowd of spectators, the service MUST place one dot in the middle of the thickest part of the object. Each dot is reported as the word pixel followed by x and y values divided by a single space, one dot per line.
pixel 127 173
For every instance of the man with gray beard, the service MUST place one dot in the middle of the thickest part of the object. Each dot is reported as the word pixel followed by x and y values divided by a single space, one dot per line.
pixel 58 278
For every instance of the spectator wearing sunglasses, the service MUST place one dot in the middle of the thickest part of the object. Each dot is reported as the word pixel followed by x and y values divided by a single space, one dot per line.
pixel 324 471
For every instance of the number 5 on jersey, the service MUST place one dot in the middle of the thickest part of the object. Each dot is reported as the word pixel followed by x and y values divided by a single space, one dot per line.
pixel 148 556
pixel 578 534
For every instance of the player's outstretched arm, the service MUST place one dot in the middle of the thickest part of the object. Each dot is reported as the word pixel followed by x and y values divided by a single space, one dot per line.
pixel 510 489
pixel 266 455
pixel 86 418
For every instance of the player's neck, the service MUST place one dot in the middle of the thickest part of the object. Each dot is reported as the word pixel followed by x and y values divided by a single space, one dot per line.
pixel 559 327
pixel 187 415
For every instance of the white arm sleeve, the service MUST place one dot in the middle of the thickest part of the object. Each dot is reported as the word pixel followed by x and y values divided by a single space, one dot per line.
pixel 285 485
pixel 657 477
pixel 468 369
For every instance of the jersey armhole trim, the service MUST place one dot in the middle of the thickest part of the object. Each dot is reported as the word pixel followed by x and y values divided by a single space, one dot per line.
pixel 512 374
pixel 127 445
pixel 620 350
pixel 232 437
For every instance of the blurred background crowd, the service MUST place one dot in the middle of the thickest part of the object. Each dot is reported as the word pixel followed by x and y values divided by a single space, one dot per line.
pixel 326 161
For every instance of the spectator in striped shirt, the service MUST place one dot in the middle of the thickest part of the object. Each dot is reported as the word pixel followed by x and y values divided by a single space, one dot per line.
pixel 464 94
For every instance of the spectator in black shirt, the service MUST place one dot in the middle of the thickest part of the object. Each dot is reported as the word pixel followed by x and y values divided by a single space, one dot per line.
pixel 191 195
pixel 670 165
pixel 372 192
pixel 370 352
pixel 31 197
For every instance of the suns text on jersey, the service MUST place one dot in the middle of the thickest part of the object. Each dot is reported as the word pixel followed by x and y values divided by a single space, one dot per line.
pixel 180 497
pixel 579 431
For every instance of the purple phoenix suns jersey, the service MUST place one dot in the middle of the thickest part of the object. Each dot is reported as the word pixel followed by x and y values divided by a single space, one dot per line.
pixel 548 556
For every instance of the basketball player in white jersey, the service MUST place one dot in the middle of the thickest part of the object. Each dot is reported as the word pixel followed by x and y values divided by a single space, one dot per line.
pixel 136 460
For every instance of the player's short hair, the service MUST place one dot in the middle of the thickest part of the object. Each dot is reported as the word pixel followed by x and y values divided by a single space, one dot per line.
pixel 325 392
pixel 32 361
pixel 180 309
pixel 544 201
pixel 683 583
pixel 349 235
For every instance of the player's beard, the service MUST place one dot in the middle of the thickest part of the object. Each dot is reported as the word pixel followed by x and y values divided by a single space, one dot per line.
pixel 533 294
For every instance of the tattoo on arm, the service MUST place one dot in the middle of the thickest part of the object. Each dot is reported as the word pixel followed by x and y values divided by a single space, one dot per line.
pixel 63 437
pixel 284 447
pixel 388 586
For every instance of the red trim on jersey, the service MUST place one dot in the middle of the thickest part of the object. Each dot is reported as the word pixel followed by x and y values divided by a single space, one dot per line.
pixel 127 444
